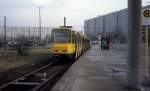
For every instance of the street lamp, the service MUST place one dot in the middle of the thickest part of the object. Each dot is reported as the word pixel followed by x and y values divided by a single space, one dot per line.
pixel 40 22
pixel 5 40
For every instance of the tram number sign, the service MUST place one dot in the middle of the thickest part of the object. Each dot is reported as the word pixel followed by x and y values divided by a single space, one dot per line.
pixel 146 13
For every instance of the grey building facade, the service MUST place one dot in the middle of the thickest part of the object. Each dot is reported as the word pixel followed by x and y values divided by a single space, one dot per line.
pixel 112 25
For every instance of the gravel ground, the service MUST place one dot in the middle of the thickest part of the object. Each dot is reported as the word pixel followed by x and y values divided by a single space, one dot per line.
pixel 13 66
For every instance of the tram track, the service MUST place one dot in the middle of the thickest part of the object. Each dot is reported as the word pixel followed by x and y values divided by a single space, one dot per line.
pixel 42 79
pixel 17 72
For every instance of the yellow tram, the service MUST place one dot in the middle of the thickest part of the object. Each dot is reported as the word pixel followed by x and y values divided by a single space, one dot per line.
pixel 65 41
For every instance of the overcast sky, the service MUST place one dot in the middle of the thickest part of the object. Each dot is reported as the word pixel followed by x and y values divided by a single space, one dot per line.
pixel 25 12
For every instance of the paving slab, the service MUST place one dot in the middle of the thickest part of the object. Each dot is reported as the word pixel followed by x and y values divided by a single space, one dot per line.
pixel 90 73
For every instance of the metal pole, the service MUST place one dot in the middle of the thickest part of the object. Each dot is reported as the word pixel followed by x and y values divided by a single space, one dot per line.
pixel 5 41
pixel 11 30
pixel 146 54
pixel 87 29
pixel 40 23
pixel 148 35
pixel 29 33
pixel 64 21
pixel 134 23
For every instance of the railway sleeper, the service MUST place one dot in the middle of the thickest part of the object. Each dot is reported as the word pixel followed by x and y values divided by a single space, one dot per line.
pixel 34 82
pixel 25 83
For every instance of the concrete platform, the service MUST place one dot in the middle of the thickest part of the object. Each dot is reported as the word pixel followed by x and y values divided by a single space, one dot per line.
pixel 91 73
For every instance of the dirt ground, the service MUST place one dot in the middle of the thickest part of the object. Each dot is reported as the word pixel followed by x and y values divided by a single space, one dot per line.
pixel 9 59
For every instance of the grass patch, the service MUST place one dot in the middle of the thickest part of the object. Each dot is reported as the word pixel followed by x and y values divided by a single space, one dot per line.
pixel 10 59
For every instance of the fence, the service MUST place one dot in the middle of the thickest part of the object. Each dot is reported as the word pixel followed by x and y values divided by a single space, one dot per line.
pixel 30 34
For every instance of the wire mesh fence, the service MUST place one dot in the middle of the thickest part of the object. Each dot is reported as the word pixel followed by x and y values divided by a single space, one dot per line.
pixel 29 36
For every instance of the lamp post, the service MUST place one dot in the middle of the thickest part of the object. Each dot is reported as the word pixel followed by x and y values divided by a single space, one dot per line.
pixel 40 28
pixel 5 40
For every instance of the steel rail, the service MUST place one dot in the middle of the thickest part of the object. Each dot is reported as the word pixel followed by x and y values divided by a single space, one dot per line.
pixel 14 82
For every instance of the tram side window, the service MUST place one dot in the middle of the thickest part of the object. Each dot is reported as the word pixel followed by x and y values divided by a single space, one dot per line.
pixel 52 37
pixel 78 39
pixel 73 38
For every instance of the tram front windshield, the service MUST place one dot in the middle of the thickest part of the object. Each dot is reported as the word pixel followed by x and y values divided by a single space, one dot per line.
pixel 61 37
